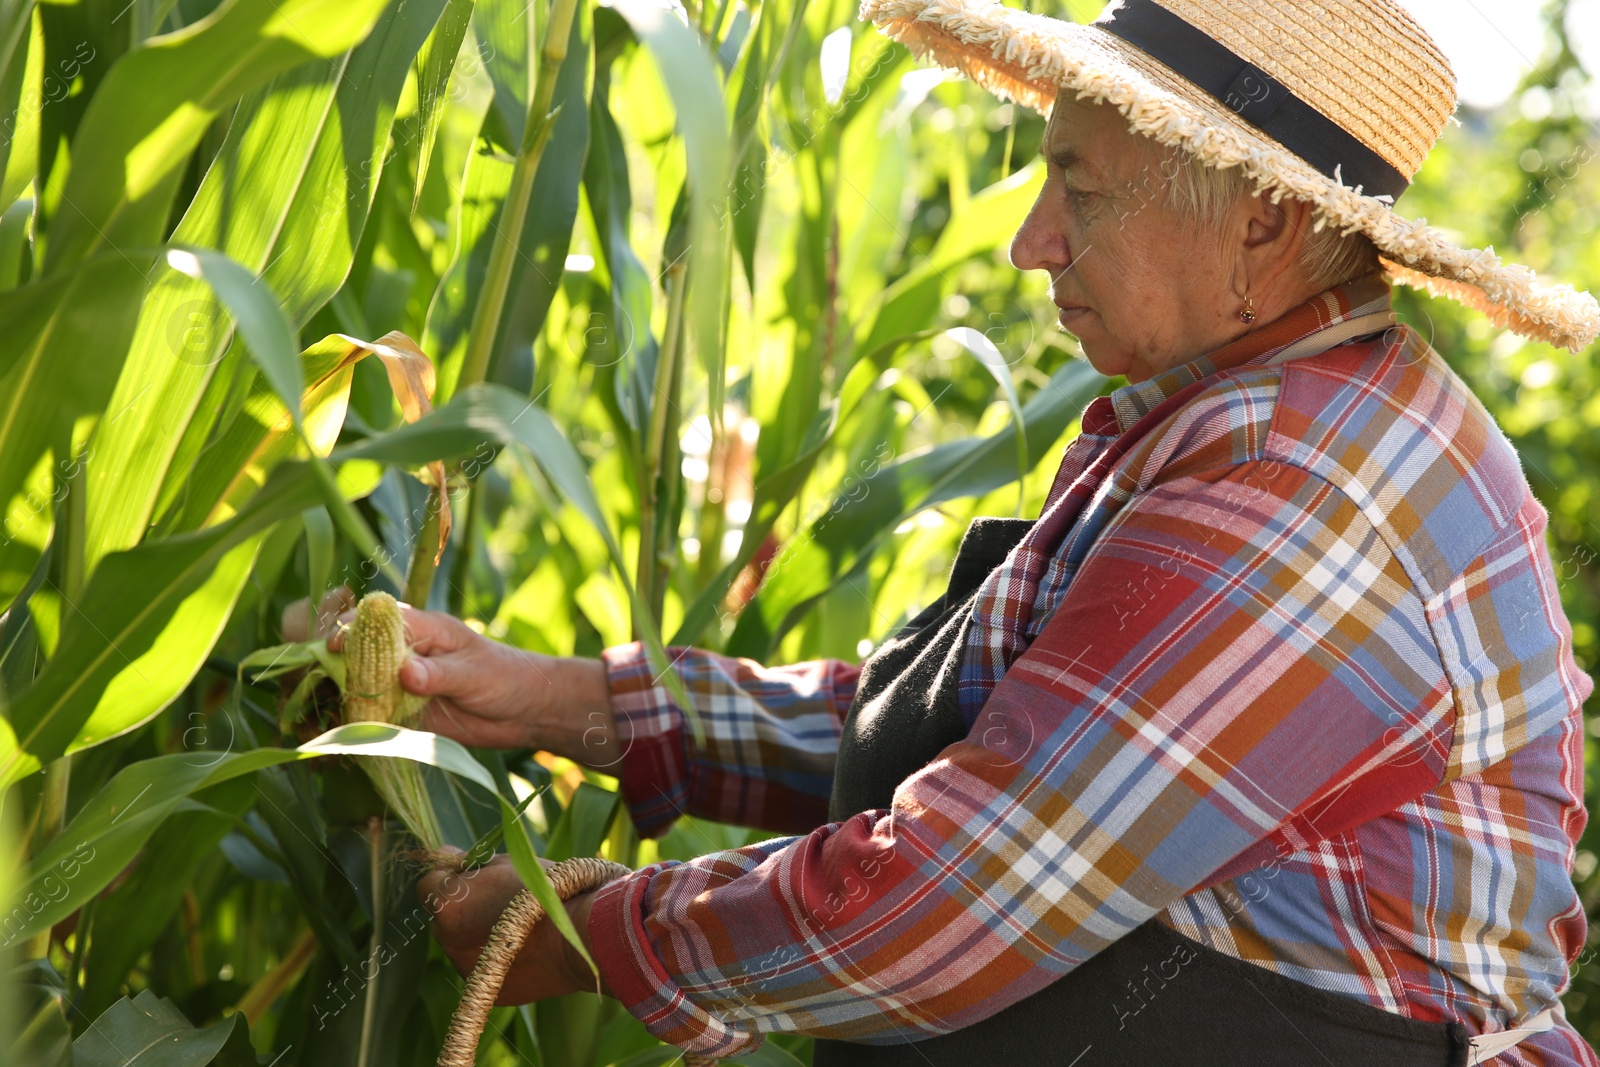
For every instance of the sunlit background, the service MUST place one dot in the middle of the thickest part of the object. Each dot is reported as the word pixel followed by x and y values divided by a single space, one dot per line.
pixel 1494 44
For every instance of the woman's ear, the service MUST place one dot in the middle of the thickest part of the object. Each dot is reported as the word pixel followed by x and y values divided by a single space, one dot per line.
pixel 1289 219
pixel 1274 235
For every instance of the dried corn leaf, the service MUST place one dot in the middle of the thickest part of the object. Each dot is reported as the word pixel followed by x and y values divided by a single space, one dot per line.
pixel 411 376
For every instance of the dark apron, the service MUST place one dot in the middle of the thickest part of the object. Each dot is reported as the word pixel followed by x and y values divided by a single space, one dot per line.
pixel 1153 997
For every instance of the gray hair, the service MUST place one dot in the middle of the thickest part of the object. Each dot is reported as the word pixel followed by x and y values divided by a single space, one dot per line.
pixel 1204 194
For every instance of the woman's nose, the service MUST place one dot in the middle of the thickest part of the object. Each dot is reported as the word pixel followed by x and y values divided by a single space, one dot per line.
pixel 1038 244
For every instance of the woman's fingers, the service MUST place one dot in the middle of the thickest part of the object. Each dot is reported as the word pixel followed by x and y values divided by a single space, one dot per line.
pixel 334 603
pixel 297 623
pixel 476 693
pixel 433 632
pixel 447 674
pixel 479 690
pixel 427 632
pixel 466 904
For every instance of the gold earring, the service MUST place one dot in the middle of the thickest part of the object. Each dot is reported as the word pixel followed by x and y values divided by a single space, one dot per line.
pixel 1248 315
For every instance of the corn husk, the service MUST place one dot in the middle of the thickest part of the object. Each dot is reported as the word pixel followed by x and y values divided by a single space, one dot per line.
pixel 374 648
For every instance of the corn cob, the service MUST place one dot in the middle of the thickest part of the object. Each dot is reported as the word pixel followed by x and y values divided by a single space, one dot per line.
pixel 374 649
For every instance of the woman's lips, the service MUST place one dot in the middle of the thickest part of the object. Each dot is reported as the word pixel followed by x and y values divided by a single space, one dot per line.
pixel 1069 313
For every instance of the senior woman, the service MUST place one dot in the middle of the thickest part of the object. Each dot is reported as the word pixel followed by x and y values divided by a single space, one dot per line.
pixel 1262 744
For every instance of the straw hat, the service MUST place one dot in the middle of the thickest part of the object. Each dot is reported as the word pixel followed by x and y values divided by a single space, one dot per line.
pixel 1335 102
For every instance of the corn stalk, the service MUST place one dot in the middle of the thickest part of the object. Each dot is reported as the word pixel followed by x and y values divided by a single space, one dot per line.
pixel 660 479
pixel 503 256
pixel 489 312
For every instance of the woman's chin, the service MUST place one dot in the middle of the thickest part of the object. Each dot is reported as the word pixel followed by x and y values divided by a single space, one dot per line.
pixel 1103 354
pixel 1108 359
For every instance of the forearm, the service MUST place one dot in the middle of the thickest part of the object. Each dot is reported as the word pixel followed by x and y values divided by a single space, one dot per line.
pixel 570 711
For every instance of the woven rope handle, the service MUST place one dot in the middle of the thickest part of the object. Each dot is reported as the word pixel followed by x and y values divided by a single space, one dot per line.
pixel 569 878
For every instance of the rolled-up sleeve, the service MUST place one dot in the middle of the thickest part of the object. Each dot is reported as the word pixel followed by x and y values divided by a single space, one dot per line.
pixel 770 737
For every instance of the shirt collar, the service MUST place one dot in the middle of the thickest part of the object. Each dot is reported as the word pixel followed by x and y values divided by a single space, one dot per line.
pixel 1332 318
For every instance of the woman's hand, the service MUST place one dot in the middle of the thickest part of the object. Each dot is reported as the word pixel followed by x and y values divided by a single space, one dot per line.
pixel 492 695
pixel 465 907
pixel 484 693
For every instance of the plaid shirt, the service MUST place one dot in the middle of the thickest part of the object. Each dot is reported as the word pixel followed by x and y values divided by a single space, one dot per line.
pixel 1282 664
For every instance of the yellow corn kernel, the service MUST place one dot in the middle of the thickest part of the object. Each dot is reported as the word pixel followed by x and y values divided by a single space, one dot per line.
pixel 374 648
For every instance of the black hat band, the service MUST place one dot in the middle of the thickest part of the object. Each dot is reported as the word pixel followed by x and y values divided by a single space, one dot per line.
pixel 1254 96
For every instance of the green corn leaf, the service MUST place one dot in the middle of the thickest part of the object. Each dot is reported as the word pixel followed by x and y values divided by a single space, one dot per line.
pixel 992 216
pixel 528 252
pixel 142 626
pixel 773 493
pixel 25 529
pixel 623 338
pixel 319 550
pixel 584 824
pixel 844 536
pixel 19 641
pixel 287 806
pixel 242 452
pixel 287 197
pixel 986 353
pixel 65 337
pixel 22 159
pixel 506 38
pixel 484 187
pixel 149 1031
pixel 484 845
pixel 435 62
pixel 255 312
pixel 687 69
pixel 750 173
pixel 264 664
pixel 227 396
pixel 547 228
pixel 519 846
pixel 15 222
pixel 155 103
pixel 33 1018
pixel 16 20
pixel 115 823
pixel 880 152
pixel 486 412
pixel 140 908
pixel 270 343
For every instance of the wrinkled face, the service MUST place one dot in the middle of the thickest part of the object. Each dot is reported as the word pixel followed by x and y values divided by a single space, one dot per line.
pixel 1139 286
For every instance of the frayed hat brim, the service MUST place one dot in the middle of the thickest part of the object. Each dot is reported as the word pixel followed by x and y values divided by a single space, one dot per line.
pixel 1027 58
